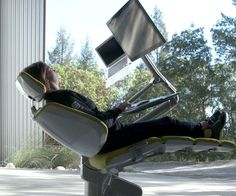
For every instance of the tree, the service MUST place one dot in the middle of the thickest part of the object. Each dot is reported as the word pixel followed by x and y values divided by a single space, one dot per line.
pixel 157 18
pixel 234 2
pixel 187 65
pixel 224 41
pixel 86 82
pixel 224 38
pixel 62 53
pixel 86 59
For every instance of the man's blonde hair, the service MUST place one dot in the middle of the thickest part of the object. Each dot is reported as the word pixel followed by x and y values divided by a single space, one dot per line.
pixel 37 70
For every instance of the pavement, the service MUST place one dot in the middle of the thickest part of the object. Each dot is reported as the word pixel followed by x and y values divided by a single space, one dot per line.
pixel 156 179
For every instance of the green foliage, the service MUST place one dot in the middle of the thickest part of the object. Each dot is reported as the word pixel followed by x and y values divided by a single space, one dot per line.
pixel 86 59
pixel 62 52
pixel 46 157
pixel 187 65
pixel 85 82
pixel 224 38
pixel 234 2
pixel 157 18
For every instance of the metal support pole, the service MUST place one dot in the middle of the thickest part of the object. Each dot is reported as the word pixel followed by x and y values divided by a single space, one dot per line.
pixel 161 109
pixel 158 74
pixel 144 89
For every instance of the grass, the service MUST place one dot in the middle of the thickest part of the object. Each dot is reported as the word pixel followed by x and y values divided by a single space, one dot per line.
pixel 46 157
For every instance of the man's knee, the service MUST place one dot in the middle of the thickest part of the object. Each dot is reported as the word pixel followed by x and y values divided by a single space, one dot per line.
pixel 167 119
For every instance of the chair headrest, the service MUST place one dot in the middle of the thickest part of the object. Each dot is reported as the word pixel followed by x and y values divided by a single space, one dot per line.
pixel 30 87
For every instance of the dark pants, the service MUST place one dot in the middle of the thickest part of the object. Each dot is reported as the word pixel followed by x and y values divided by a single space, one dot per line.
pixel 135 132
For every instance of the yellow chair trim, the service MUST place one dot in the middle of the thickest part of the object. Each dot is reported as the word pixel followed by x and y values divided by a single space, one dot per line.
pixel 71 110
pixel 227 143
pixel 180 138
pixel 35 80
pixel 100 161
pixel 207 140
pixel 74 111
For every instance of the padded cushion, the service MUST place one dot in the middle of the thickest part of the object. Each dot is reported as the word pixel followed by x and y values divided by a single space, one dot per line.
pixel 169 143
pixel 81 132
pixel 175 143
pixel 201 144
pixel 226 146
pixel 101 161
pixel 30 87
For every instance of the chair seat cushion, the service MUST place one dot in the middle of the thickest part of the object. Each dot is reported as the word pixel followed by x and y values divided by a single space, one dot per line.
pixel 131 154
pixel 101 161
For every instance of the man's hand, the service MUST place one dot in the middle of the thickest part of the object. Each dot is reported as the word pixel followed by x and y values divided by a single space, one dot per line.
pixel 123 106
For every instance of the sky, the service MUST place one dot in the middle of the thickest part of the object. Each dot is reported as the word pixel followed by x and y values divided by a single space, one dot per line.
pixel 87 18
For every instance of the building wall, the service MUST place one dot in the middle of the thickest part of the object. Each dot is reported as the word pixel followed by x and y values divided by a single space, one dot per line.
pixel 22 25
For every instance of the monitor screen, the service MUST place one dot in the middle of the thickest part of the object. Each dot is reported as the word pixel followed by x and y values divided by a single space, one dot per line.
pixel 110 51
pixel 134 30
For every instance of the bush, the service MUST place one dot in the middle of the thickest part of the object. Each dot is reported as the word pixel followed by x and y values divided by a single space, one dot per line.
pixel 46 157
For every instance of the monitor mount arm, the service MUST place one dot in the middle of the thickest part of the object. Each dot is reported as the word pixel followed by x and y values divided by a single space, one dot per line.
pixel 162 107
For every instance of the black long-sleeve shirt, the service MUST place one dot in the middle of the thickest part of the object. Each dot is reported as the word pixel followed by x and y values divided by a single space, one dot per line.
pixel 77 101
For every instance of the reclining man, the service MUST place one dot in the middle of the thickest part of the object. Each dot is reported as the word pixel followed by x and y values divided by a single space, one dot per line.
pixel 120 135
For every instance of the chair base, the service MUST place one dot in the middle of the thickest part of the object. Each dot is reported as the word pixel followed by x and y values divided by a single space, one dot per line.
pixel 106 182
pixel 116 187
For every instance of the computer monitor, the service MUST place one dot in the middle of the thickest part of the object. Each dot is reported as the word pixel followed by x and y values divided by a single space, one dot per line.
pixel 110 51
pixel 114 59
pixel 134 30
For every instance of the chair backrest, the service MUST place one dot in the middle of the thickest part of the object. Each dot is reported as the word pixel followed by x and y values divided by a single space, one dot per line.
pixel 81 132
pixel 77 130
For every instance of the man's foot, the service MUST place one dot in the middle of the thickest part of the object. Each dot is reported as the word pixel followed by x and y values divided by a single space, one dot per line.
pixel 213 118
pixel 218 126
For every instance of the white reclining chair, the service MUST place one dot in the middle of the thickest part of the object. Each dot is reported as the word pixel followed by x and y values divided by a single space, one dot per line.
pixel 86 135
